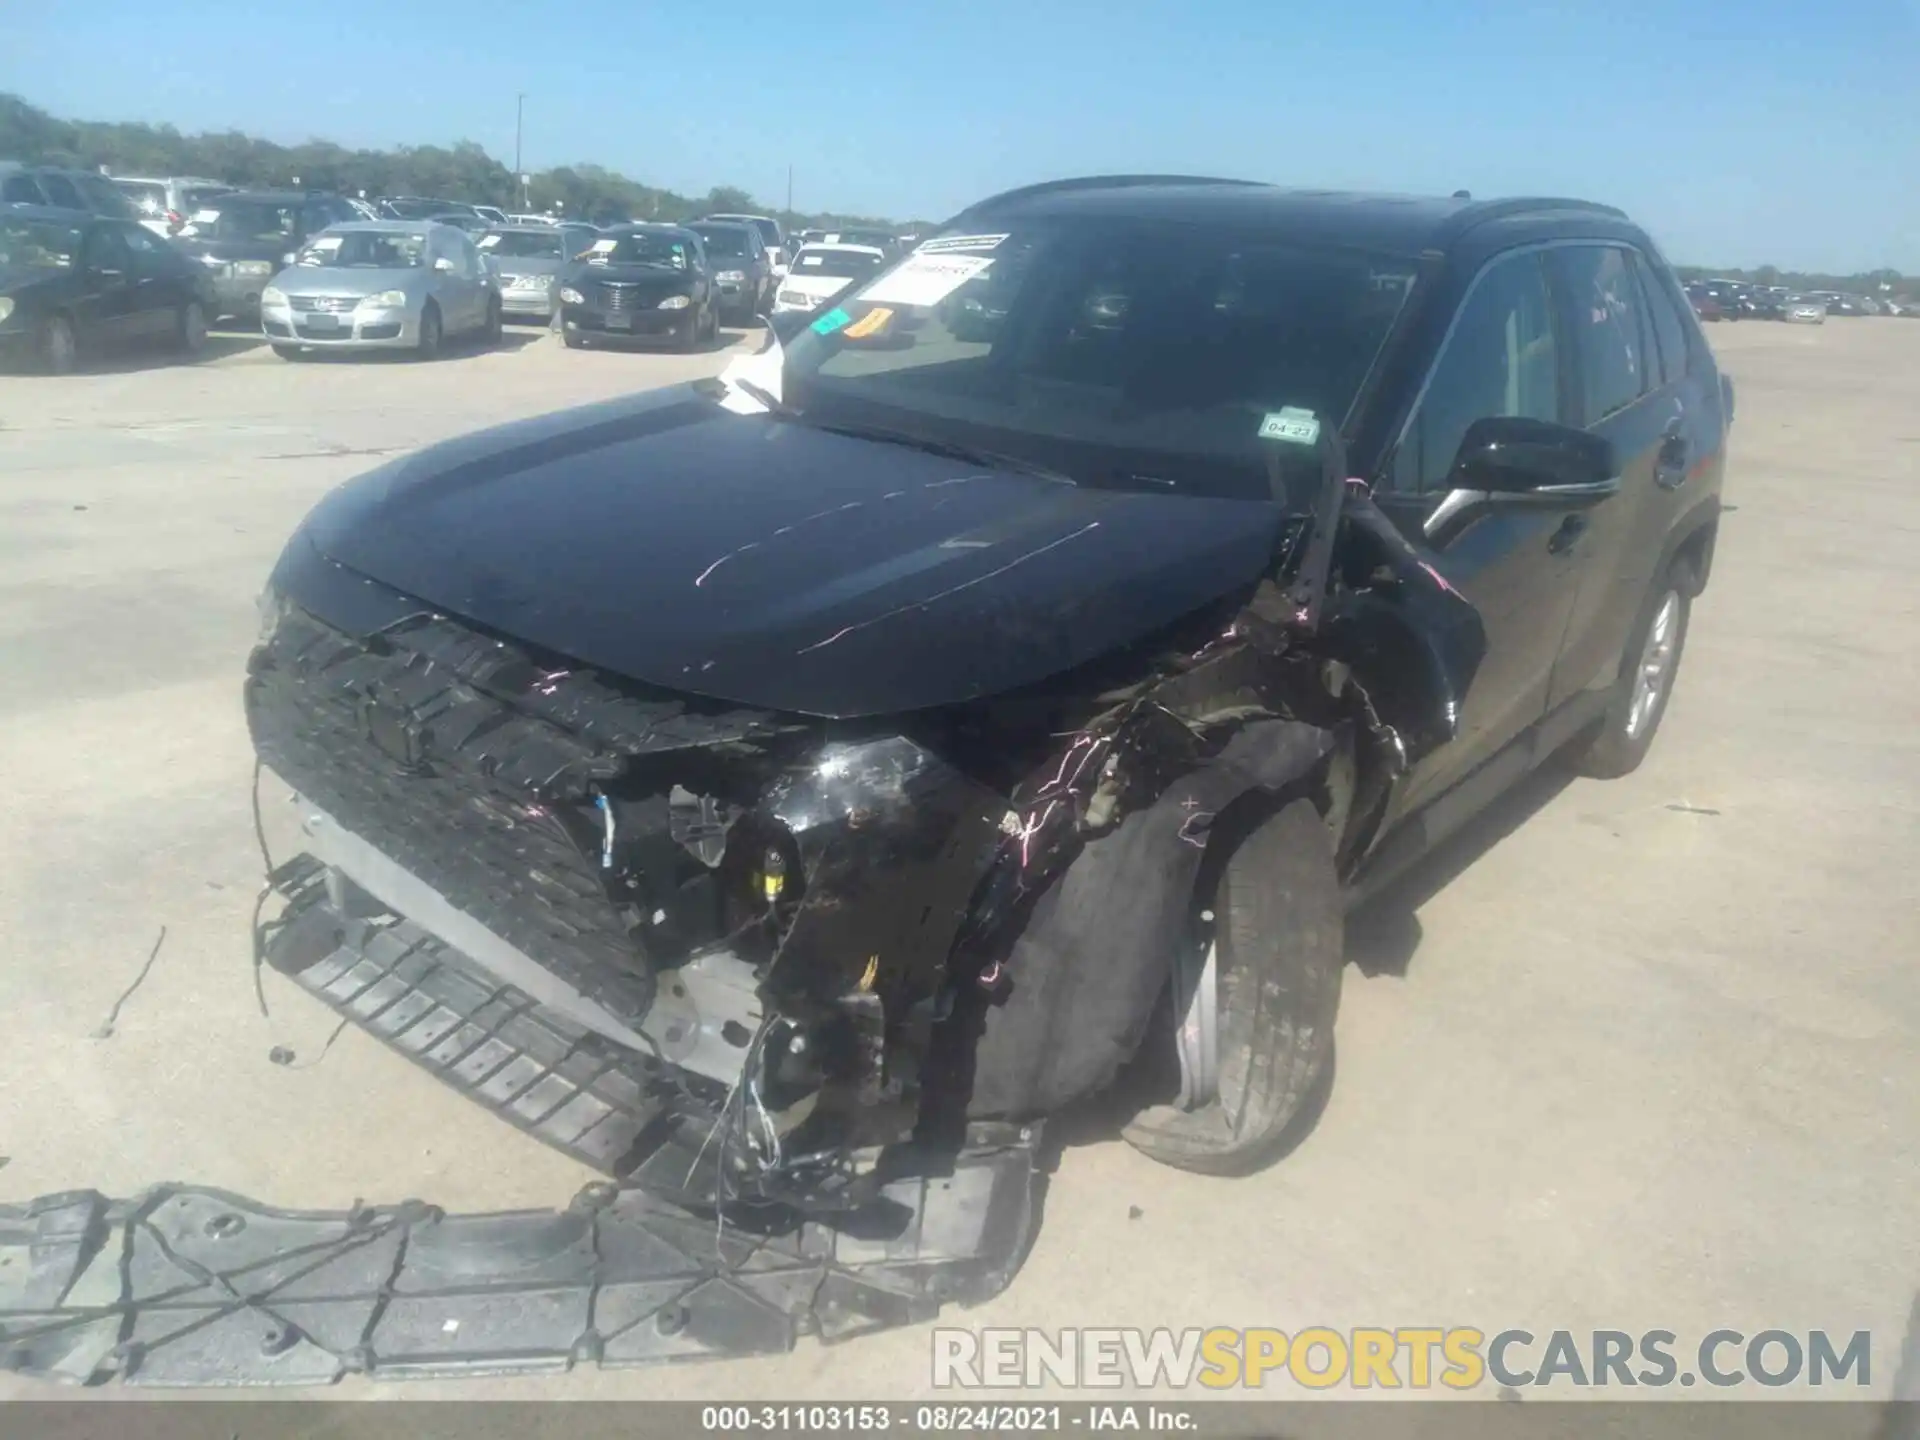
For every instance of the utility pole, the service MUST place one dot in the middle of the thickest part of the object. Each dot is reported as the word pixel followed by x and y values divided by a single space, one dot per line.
pixel 519 114
pixel 789 189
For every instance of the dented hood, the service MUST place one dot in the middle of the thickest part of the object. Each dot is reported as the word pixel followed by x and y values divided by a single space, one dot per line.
pixel 770 563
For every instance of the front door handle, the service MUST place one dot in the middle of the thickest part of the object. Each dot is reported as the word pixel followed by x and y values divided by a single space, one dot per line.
pixel 1562 541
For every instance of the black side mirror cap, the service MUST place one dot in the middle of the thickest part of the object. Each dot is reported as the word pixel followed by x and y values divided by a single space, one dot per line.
pixel 787 323
pixel 1508 456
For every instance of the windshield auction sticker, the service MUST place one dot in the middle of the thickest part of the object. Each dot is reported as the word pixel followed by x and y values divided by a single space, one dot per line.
pixel 925 279
pixel 1290 422
pixel 948 244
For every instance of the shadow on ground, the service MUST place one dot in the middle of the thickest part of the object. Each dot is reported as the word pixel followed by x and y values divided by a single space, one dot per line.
pixel 1384 933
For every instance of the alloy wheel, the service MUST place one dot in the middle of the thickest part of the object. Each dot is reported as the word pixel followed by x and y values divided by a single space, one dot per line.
pixel 1654 674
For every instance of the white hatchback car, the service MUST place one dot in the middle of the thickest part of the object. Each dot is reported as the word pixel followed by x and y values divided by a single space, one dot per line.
pixel 820 272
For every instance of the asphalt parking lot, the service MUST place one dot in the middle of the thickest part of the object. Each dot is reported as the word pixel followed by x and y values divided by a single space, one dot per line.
pixel 1629 1055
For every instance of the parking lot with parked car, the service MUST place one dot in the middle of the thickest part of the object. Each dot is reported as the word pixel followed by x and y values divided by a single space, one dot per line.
pixel 1662 1007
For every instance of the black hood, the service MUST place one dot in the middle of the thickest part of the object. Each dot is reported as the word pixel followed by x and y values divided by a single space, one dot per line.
pixel 770 563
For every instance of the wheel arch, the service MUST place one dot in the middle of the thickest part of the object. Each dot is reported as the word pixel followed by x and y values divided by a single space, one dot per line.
pixel 1691 543
pixel 1085 972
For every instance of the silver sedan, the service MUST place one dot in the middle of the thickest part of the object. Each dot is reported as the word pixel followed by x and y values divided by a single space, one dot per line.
pixel 528 259
pixel 382 285
pixel 1802 310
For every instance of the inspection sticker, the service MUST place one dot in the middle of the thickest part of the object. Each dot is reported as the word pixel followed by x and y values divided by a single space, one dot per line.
pixel 1292 423
pixel 948 244
pixel 870 324
pixel 830 322
pixel 925 279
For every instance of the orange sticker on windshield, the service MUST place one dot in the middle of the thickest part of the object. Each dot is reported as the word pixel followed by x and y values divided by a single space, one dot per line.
pixel 870 324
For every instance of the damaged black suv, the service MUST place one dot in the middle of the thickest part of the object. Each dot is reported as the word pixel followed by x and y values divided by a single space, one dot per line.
pixel 1003 682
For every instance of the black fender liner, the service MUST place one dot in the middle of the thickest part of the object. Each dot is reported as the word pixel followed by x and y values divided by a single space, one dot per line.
pixel 1087 968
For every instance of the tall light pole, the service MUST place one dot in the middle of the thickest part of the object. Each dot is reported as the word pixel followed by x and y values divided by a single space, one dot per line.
pixel 519 114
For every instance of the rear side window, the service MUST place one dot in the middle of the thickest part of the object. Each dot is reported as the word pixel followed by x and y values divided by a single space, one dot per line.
pixel 99 196
pixel 60 191
pixel 1603 301
pixel 1501 359
pixel 20 190
pixel 1669 330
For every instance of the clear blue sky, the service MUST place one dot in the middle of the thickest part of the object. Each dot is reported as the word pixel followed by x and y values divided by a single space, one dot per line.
pixel 1770 130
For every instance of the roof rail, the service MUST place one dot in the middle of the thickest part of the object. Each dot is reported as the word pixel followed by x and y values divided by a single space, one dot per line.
pixel 1481 211
pixel 1101 182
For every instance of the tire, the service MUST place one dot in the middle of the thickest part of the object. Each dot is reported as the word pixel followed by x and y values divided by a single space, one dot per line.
pixel 289 352
pixel 1621 740
pixel 688 340
pixel 1279 947
pixel 190 329
pixel 431 335
pixel 496 323
pixel 572 340
pixel 59 349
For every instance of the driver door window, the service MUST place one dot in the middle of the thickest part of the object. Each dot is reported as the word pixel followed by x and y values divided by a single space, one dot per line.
pixel 1502 358
pixel 107 254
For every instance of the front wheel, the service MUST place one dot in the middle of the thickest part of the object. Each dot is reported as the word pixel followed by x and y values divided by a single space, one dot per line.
pixel 59 352
pixel 496 323
pixel 289 352
pixel 190 329
pixel 428 345
pixel 1255 1011
pixel 1638 703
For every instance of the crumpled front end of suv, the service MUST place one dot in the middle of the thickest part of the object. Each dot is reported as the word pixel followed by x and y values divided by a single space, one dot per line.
pixel 645 927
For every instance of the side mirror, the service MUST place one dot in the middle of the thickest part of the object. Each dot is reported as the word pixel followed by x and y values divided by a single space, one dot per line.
pixel 1535 461
pixel 787 324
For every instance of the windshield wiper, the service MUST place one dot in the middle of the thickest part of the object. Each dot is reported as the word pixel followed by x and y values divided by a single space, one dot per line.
pixel 952 449
pixel 767 398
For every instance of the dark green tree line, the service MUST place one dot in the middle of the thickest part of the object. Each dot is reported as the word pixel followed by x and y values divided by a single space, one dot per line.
pixel 463 171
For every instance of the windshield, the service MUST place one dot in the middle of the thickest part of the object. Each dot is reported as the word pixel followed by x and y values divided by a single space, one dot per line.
pixel 641 247
pixel 836 263
pixel 1137 353
pixel 414 208
pixel 366 250
pixel 723 240
pixel 878 239
pixel 522 244
pixel 37 245
pixel 255 220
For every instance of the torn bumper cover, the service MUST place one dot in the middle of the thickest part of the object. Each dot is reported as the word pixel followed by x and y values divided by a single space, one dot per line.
pixel 192 1287
pixel 504 873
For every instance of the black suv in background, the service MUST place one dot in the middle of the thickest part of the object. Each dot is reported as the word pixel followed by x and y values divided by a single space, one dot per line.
pixel 246 237
pixel 911 729
pixel 63 189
